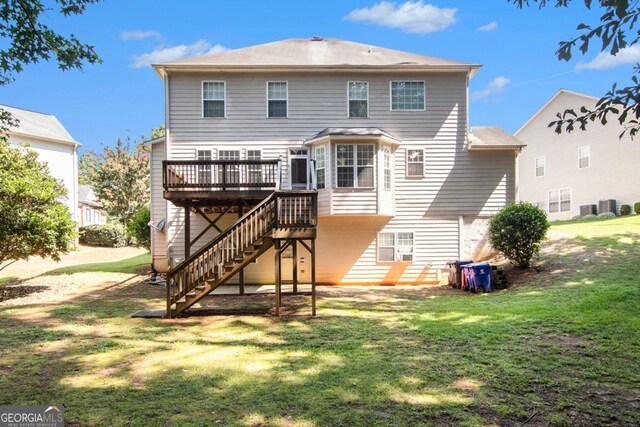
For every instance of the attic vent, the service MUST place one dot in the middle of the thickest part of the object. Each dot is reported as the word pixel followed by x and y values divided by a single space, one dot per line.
pixel 317 39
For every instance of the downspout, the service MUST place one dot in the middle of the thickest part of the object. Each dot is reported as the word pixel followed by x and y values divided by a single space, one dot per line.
pixel 169 233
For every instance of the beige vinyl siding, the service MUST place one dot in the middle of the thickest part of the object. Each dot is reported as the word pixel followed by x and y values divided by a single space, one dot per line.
pixel 158 208
pixel 612 172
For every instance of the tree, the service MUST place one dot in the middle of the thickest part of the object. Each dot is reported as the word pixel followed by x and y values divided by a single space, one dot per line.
pixel 617 29
pixel 120 178
pixel 33 219
pixel 517 231
pixel 27 40
pixel 139 227
pixel 157 132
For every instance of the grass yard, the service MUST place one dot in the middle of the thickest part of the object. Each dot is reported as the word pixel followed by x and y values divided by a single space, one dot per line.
pixel 562 347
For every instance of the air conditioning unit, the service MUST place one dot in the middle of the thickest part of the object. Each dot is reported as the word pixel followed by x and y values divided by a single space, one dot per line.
pixel 406 256
pixel 607 206
pixel 588 210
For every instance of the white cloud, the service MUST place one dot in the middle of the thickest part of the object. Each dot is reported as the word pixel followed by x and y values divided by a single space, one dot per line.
pixel 606 61
pixel 494 87
pixel 140 35
pixel 411 16
pixel 491 26
pixel 171 53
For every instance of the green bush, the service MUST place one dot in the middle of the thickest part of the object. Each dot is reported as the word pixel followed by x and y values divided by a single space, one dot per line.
pixel 139 229
pixel 636 208
pixel 606 215
pixel 576 218
pixel 589 217
pixel 517 231
pixel 109 235
pixel 625 210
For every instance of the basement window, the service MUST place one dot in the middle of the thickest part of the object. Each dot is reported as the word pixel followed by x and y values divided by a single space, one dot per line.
pixel 396 246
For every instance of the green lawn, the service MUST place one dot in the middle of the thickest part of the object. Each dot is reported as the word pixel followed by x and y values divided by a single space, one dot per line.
pixel 560 348
pixel 129 265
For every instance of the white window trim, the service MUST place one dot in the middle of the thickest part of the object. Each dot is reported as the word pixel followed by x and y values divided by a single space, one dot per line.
pixel 588 147
pixel 355 166
pixel 286 82
pixel 424 95
pixel 224 84
pixel 315 157
pixel 406 166
pixel 387 151
pixel 348 99
pixel 544 167
pixel 396 253
pixel 559 192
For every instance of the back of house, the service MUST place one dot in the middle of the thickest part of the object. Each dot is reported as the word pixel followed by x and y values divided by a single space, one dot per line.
pixel 562 172
pixel 402 187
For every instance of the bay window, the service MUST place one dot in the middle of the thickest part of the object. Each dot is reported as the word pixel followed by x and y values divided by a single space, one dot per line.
pixel 355 165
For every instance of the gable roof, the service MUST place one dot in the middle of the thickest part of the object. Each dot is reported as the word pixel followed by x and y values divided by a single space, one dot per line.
pixel 553 98
pixel 492 138
pixel 86 196
pixel 39 125
pixel 313 53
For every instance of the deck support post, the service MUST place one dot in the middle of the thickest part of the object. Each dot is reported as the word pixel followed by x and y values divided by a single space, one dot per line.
pixel 278 265
pixel 295 266
pixel 313 277
pixel 241 272
pixel 187 231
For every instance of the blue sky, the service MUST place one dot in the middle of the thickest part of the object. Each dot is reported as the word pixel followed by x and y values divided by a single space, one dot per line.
pixel 123 97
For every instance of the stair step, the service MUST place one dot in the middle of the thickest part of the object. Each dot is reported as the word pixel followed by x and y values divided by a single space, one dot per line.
pixel 239 258
pixel 249 251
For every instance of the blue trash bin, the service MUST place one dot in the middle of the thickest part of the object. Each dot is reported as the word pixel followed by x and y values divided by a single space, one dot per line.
pixel 481 276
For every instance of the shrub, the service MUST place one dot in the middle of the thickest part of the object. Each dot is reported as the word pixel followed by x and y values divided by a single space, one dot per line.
pixel 606 215
pixel 576 218
pixel 517 231
pixel 625 210
pixel 636 208
pixel 109 235
pixel 139 229
pixel 589 217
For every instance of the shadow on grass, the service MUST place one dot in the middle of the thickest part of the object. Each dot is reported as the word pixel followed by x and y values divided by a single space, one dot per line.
pixel 130 265
pixel 565 354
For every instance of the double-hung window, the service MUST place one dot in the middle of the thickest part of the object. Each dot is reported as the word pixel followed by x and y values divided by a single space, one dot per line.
pixel 320 156
pixel 415 162
pixel 229 173
pixel 584 156
pixel 386 168
pixel 277 99
pixel 358 93
pixel 560 200
pixel 354 165
pixel 540 164
pixel 213 99
pixel 204 171
pixel 395 246
pixel 407 95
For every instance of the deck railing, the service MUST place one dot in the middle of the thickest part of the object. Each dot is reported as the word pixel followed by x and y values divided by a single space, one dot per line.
pixel 207 175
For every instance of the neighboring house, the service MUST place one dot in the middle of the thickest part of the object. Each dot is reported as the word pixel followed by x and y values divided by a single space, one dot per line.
pixel 89 210
pixel 55 146
pixel 402 187
pixel 561 172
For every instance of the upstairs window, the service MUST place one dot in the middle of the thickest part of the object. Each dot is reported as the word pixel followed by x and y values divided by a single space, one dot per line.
pixel 415 163
pixel 277 99
pixel 540 166
pixel 354 165
pixel 395 246
pixel 407 95
pixel 386 168
pixel 320 166
pixel 358 99
pixel 584 156
pixel 213 99
pixel 560 200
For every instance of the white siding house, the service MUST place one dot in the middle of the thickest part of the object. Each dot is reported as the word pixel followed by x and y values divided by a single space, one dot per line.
pixel 402 186
pixel 44 134
pixel 561 172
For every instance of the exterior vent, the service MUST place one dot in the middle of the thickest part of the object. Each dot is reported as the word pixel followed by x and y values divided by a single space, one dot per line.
pixel 317 39
pixel 406 257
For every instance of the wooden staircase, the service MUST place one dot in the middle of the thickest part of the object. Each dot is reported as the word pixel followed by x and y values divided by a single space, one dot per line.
pixel 282 215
